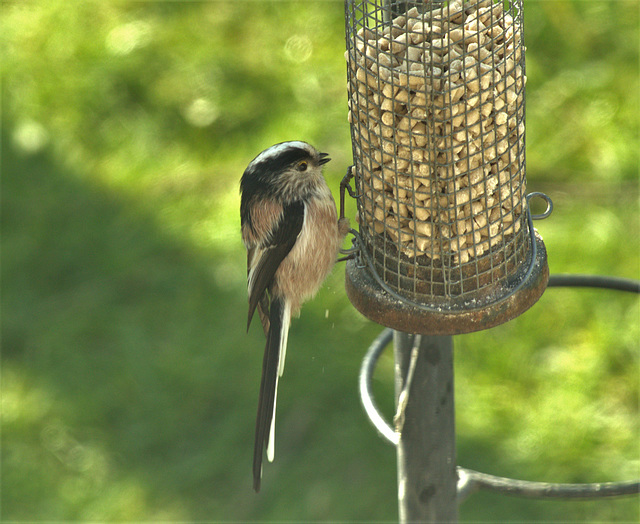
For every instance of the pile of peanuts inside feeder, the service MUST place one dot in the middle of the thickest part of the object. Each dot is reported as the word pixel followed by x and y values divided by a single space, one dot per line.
pixel 437 113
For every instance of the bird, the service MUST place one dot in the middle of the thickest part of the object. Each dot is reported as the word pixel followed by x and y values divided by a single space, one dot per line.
pixel 292 235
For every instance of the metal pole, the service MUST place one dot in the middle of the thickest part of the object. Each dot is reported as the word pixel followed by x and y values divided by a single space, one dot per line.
pixel 425 422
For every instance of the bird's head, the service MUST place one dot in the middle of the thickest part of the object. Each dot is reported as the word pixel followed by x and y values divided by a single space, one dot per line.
pixel 288 170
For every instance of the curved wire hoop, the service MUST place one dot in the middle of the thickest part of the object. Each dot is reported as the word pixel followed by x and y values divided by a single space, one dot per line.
pixel 469 480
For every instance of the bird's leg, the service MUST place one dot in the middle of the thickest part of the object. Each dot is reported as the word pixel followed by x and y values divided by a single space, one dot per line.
pixel 346 186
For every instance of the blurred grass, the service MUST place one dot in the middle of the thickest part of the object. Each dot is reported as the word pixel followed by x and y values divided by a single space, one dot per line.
pixel 128 383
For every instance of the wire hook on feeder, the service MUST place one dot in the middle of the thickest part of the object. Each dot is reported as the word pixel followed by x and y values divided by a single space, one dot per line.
pixel 547 211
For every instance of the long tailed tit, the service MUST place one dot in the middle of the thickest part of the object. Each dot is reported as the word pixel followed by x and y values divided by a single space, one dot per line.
pixel 292 234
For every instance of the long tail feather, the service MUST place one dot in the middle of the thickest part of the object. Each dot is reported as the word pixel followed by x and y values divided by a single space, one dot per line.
pixel 272 364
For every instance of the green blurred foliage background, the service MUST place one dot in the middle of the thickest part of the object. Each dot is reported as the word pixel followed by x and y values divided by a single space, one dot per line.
pixel 129 386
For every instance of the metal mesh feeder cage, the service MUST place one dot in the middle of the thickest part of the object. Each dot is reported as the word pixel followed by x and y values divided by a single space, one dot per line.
pixel 437 116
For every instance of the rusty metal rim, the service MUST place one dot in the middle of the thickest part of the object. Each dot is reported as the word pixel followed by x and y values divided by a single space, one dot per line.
pixel 376 303
pixel 522 279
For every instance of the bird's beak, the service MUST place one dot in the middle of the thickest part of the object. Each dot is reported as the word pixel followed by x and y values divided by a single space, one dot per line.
pixel 324 158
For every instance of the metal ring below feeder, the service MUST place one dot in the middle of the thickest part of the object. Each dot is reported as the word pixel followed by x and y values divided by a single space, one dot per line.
pixel 375 300
pixel 470 480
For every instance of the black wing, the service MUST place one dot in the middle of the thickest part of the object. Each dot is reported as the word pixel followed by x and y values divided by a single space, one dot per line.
pixel 278 245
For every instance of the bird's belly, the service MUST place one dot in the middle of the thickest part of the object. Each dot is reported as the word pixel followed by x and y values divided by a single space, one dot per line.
pixel 312 257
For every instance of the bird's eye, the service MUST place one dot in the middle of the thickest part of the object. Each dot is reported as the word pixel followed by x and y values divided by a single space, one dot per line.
pixel 302 166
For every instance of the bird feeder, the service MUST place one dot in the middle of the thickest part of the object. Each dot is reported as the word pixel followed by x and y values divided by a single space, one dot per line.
pixel 437 114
